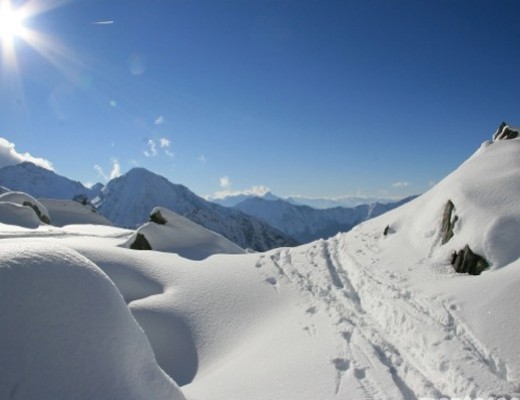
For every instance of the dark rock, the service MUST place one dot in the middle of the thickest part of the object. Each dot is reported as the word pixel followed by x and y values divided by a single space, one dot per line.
pixel 388 231
pixel 158 218
pixel 81 198
pixel 504 132
pixel 448 222
pixel 42 217
pixel 140 243
pixel 465 261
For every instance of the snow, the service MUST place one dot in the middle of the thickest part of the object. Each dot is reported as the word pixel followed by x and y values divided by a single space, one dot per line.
pixel 66 332
pixel 128 200
pixel 70 212
pixel 40 182
pixel 358 316
pixel 20 198
pixel 15 214
pixel 180 235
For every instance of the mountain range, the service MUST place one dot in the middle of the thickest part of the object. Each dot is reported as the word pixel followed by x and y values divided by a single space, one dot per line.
pixel 305 223
pixel 257 223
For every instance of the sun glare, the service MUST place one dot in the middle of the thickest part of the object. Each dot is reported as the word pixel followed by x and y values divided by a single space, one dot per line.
pixel 11 22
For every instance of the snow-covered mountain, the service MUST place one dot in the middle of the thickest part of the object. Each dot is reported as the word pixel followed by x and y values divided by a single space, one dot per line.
pixel 340 201
pixel 234 199
pixel 128 200
pixel 41 183
pixel 379 312
pixel 305 223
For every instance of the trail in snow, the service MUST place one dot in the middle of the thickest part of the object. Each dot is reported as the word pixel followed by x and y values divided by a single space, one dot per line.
pixel 392 343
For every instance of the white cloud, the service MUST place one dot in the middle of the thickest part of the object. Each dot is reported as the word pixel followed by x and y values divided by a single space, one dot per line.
pixel 225 182
pixel 165 145
pixel 108 22
pixel 152 149
pixel 401 184
pixel 258 190
pixel 114 172
pixel 9 156
pixel 159 120
pixel 116 169
pixel 202 159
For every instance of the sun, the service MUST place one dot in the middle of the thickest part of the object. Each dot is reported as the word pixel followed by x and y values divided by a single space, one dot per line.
pixel 11 22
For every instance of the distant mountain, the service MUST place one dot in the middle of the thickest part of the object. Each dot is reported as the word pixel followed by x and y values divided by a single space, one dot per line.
pixel 305 223
pixel 40 182
pixel 128 200
pixel 342 201
pixel 233 200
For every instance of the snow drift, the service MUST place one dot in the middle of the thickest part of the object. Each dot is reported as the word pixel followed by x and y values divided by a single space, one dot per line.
pixel 168 231
pixel 66 332
pixel 69 212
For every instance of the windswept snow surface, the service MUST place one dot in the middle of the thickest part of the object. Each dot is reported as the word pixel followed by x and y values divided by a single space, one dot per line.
pixel 180 235
pixel 359 316
pixel 66 332
pixel 70 212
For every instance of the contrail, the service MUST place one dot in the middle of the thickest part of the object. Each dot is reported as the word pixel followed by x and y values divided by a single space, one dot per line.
pixel 103 22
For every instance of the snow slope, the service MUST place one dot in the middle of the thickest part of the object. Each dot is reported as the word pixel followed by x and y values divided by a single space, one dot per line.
pixel 128 200
pixel 66 332
pixel 179 235
pixel 23 199
pixel 306 224
pixel 69 212
pixel 40 182
pixel 361 315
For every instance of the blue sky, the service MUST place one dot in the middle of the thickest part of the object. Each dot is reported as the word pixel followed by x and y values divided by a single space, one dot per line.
pixel 316 98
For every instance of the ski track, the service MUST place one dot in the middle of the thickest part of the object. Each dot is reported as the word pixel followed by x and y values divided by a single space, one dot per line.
pixel 382 343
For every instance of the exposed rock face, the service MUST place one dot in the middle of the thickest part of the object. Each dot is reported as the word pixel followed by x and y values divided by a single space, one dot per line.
pixel 140 243
pixel 448 222
pixel 465 261
pixel 505 132
pixel 158 218
pixel 41 216
pixel 386 231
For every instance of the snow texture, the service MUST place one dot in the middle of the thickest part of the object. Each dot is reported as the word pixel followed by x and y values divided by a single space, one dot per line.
pixel 69 212
pixel 361 315
pixel 180 235
pixel 66 332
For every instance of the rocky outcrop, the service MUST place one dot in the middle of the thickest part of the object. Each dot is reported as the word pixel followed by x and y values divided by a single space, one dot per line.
pixel 448 222
pixel 140 243
pixel 465 261
pixel 158 218
pixel 505 132
pixel 41 216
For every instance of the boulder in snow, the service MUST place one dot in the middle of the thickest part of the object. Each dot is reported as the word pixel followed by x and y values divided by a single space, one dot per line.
pixel 140 243
pixel 180 235
pixel 24 199
pixel 16 214
pixel 157 217
pixel 448 222
pixel 505 132
pixel 465 261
